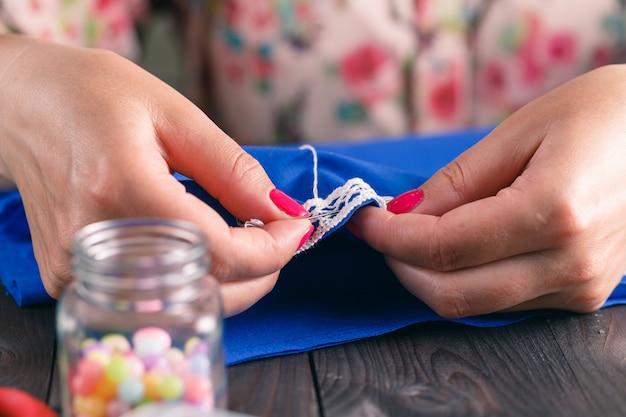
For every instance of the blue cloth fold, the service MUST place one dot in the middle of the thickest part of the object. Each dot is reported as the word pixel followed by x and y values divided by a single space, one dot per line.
pixel 339 291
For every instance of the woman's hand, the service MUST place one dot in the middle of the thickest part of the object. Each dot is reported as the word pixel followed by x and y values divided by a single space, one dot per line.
pixel 86 136
pixel 533 216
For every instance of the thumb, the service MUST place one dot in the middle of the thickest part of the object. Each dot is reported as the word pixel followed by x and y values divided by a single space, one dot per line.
pixel 481 171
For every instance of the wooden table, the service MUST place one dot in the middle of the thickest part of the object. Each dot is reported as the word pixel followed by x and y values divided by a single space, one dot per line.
pixel 572 365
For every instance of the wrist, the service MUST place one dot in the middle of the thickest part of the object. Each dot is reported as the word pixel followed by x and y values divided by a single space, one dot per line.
pixel 12 48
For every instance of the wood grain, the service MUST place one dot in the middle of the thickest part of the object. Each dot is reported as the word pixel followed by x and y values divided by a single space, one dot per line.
pixel 279 387
pixel 553 366
pixel 27 339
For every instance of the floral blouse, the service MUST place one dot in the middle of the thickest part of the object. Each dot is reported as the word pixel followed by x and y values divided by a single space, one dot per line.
pixel 108 24
pixel 280 71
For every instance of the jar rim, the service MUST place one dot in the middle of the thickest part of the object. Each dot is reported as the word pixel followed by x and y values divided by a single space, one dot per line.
pixel 94 246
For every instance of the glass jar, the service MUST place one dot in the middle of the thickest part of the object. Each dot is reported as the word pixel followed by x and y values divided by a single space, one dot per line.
pixel 141 324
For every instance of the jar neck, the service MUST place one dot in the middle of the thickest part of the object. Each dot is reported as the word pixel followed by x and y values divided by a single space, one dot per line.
pixel 140 264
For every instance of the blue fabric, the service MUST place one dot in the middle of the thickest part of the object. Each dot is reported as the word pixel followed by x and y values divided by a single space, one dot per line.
pixel 339 291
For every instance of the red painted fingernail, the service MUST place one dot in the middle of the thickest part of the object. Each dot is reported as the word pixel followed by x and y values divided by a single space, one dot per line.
pixel 306 236
pixel 406 202
pixel 287 204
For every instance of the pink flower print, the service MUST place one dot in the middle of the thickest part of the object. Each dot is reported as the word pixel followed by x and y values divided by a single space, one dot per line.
pixel 491 82
pixel 369 74
pixel 423 10
pixel 444 99
pixel 445 90
pixel 601 56
pixel 532 73
pixel 252 20
pixel 303 11
pixel 234 72
pixel 118 27
pixel 562 48
pixel 72 31
pixel 46 34
pixel 100 6
pixel 232 11
pixel 35 6
pixel 263 19
pixel 263 67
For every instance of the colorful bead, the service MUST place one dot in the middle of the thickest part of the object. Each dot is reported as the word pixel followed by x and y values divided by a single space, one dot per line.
pixel 171 387
pixel 131 391
pixel 199 390
pixel 116 373
pixel 151 381
pixel 116 408
pixel 118 369
pixel 155 335
pixel 115 343
pixel 89 406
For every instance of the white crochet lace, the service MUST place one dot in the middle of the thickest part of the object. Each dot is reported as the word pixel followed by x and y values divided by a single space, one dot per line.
pixel 328 213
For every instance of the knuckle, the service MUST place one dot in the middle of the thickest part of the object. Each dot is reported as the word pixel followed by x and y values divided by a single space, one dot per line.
pixel 442 255
pixel 455 175
pixel 448 303
pixel 585 277
pixel 232 263
pixel 452 307
pixel 101 184
pixel 567 219
pixel 56 275
pixel 585 270
pixel 244 168
pixel 589 299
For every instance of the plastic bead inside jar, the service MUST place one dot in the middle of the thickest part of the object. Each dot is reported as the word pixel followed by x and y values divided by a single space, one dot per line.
pixel 141 323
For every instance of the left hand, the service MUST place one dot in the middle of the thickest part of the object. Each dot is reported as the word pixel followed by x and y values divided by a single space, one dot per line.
pixel 533 216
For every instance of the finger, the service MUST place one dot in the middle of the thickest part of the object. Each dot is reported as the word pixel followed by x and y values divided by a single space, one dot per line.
pixel 464 236
pixel 474 291
pixel 237 296
pixel 197 148
pixel 257 252
pixel 523 282
pixel 484 169
pixel 236 252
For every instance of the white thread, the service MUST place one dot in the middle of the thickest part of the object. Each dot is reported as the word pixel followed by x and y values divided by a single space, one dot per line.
pixel 327 213
pixel 314 152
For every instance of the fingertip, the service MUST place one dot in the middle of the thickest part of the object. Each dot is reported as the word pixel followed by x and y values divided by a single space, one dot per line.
pixel 238 296
pixel 260 251
pixel 370 223
pixel 287 204
pixel 406 202
pixel 306 236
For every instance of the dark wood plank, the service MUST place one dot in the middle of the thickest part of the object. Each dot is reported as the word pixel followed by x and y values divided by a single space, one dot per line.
pixel 280 387
pixel 27 338
pixel 538 367
pixel 595 348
